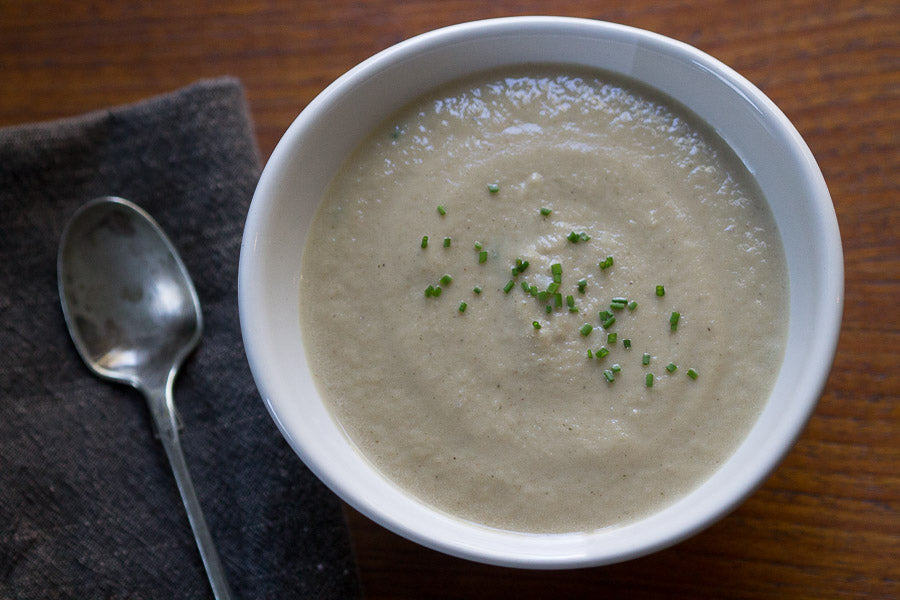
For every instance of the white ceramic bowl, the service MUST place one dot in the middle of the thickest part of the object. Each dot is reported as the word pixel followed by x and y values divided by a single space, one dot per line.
pixel 328 129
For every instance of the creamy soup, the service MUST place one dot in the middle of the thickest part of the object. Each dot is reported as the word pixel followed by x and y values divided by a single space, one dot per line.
pixel 589 330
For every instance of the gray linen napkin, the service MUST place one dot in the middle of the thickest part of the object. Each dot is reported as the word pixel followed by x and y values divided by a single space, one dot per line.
pixel 88 504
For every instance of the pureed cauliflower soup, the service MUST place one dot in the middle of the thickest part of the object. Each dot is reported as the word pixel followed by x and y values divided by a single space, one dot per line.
pixel 544 299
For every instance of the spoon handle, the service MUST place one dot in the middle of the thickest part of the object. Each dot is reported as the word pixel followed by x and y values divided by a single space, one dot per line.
pixel 163 411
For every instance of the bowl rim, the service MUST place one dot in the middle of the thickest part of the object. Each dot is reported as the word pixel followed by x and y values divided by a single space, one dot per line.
pixel 566 550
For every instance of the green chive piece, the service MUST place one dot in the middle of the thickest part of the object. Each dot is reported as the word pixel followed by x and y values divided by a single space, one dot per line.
pixel 429 291
pixel 477 289
pixel 557 300
pixel 526 287
pixel 602 351
pixel 535 324
pixel 462 307
pixel 514 271
pixel 610 376
pixel 573 237
pixel 424 241
pixel 573 309
pixel 556 270
pixel 618 303
pixel 615 368
pixel 553 287
pixel 671 367
pixel 660 290
pixel 446 242
pixel 590 353
pixel 673 320
pixel 545 211
pixel 611 338
pixel 582 283
pixel 533 290
pixel 692 374
pixel 509 285
pixel 437 291
pixel 549 309
pixel 482 257
pixel 604 315
pixel 606 262
pixel 446 280
pixel 632 305
pixel 609 322
pixel 478 246
pixel 645 359
pixel 543 296
pixel 586 329
pixel 493 187
pixel 627 343
pixel 570 300
pixel 648 380
pixel 521 265
pixel 584 237
pixel 441 210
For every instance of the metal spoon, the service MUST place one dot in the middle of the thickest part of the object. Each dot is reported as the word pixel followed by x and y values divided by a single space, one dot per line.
pixel 134 316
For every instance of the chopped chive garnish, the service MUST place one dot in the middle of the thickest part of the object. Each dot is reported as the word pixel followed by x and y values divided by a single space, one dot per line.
pixel 482 256
pixel 556 271
pixel 673 320
pixel 645 359
pixel 627 343
pixel 441 210
pixel 514 271
pixel 609 322
pixel 573 309
pixel 602 351
pixel 557 300
pixel 549 309
pixel 545 211
pixel 543 296
pixel 526 287
pixel 446 280
pixel 553 287
pixel 582 283
pixel 692 373
pixel 509 285
pixel 521 265
pixel 437 291
pixel 535 324
pixel 570 300
pixel 618 303
pixel 590 353
pixel 477 289
pixel 615 368
pixel 446 242
pixel 533 290
pixel 578 237
pixel 463 306
pixel 424 241
pixel 606 262
pixel 586 329
pixel 478 246
pixel 610 376
pixel 648 380
pixel 573 237
pixel 429 291
pixel 671 367
pixel 611 338
pixel 660 290
pixel 493 187
pixel 619 300
pixel 584 237
pixel 604 315
pixel 632 305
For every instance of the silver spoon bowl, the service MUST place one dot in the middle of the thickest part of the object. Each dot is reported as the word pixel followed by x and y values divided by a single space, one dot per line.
pixel 134 316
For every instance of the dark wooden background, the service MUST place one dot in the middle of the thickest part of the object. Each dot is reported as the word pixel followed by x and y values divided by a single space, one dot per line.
pixel 826 524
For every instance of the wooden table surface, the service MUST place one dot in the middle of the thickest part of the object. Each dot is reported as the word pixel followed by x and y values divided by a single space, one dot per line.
pixel 826 524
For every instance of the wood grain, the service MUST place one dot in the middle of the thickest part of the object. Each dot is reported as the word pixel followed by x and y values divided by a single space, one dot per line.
pixel 826 524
